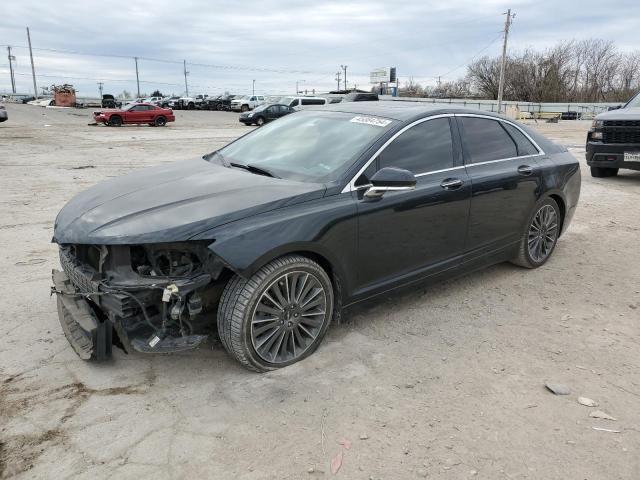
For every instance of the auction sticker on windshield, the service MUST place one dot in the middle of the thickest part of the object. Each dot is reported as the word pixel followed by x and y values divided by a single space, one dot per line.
pixel 378 122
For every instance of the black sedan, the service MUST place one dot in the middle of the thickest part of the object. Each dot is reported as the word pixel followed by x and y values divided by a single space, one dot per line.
pixel 270 237
pixel 265 113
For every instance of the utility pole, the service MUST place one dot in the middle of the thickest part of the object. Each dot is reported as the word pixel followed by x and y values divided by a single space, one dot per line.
pixel 297 87
pixel 186 86
pixel 137 77
pixel 338 75
pixel 253 88
pixel 507 24
pixel 13 80
pixel 33 69
pixel 344 67
pixel 100 84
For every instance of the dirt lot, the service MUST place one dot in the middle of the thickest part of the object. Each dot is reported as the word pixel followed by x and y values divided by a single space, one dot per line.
pixel 440 383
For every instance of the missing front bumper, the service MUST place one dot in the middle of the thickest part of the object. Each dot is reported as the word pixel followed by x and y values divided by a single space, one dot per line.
pixel 89 337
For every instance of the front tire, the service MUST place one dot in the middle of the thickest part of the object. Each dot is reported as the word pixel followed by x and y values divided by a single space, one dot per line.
pixel 244 108
pixel 277 317
pixel 602 172
pixel 115 121
pixel 160 121
pixel 260 121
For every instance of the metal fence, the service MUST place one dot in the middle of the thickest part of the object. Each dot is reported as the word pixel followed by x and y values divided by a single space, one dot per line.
pixel 584 109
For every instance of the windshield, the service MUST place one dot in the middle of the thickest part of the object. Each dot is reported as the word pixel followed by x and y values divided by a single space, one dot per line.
pixel 634 102
pixel 308 146
pixel 129 106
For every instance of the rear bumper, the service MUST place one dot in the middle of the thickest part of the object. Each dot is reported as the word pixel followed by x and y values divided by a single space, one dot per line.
pixel 611 155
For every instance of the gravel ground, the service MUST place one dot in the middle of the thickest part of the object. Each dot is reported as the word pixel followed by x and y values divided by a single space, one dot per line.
pixel 446 382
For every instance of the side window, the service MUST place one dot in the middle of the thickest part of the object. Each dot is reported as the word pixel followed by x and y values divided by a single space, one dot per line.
pixel 423 148
pixel 486 140
pixel 525 147
pixel 313 101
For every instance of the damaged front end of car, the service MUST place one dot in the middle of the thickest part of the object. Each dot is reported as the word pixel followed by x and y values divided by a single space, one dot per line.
pixel 153 298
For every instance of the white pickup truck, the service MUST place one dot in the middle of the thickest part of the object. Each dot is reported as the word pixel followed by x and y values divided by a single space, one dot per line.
pixel 247 102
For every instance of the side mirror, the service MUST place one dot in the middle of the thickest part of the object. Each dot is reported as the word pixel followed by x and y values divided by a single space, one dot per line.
pixel 390 179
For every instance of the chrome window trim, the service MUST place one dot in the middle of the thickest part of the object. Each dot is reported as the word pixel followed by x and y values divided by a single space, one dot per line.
pixel 351 185
pixel 439 171
pixel 503 159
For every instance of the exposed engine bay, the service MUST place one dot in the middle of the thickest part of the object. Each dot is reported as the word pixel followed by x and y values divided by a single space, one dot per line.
pixel 155 298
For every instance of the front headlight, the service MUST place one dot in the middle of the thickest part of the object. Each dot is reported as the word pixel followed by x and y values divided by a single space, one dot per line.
pixel 597 124
pixel 596 135
pixel 250 115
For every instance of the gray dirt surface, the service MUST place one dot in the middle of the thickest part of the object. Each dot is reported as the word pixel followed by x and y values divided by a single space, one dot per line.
pixel 445 382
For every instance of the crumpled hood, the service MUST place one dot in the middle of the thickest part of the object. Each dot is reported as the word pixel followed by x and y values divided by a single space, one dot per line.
pixel 620 114
pixel 172 203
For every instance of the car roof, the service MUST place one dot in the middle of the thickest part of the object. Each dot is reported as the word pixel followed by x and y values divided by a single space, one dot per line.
pixel 398 110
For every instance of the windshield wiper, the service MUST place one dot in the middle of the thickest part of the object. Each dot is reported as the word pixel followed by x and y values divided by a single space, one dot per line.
pixel 254 169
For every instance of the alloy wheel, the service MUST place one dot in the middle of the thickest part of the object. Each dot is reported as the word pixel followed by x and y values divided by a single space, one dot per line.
pixel 543 233
pixel 288 317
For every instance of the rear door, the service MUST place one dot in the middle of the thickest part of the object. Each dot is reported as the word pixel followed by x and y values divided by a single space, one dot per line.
pixel 506 178
pixel 409 233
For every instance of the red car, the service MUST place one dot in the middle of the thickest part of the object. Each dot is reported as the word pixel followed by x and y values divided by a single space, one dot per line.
pixel 135 113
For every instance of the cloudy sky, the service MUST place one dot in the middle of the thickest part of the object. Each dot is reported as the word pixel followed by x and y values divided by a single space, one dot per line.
pixel 227 45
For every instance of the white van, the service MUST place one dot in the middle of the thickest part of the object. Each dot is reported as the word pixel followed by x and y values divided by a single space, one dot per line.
pixel 300 103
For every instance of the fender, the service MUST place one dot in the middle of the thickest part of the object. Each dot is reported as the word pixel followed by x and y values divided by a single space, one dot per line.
pixel 326 227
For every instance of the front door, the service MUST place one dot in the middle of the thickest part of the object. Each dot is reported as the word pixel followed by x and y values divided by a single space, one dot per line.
pixel 414 233
pixel 137 114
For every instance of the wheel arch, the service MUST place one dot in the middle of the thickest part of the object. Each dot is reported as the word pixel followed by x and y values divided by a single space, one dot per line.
pixel 312 251
pixel 563 208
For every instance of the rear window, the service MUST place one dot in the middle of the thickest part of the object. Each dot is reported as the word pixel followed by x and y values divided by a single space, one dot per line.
pixel 486 140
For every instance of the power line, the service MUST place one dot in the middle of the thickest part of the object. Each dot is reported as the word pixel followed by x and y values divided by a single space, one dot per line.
pixel 175 62
pixel 472 58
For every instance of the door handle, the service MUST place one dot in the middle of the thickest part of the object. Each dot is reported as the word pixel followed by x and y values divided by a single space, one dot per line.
pixel 451 183
pixel 525 170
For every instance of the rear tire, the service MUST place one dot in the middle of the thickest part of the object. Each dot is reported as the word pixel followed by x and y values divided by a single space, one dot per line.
pixel 540 236
pixel 115 121
pixel 602 172
pixel 287 302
